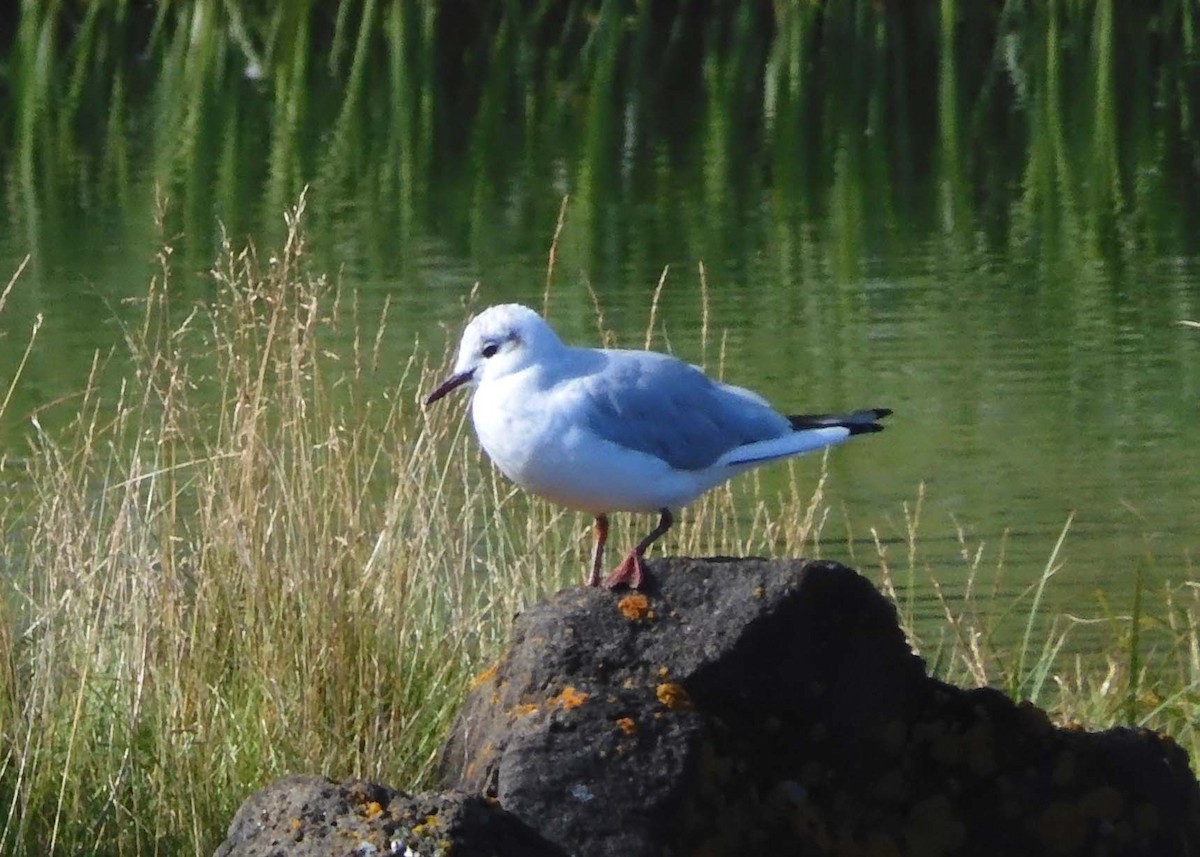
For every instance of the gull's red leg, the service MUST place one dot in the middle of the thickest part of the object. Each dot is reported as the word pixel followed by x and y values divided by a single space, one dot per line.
pixel 632 571
pixel 600 534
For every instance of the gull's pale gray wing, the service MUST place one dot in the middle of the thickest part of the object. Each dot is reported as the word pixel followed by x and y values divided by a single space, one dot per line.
pixel 656 404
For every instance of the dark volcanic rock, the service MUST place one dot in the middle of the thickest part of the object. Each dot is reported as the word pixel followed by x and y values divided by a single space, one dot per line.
pixel 316 817
pixel 754 707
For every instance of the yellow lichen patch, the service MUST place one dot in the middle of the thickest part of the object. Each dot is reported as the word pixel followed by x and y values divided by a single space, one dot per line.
pixel 522 710
pixel 759 592
pixel 673 695
pixel 569 698
pixel 626 725
pixel 663 672
pixel 426 827
pixel 295 824
pixel 372 809
pixel 634 606
pixel 486 675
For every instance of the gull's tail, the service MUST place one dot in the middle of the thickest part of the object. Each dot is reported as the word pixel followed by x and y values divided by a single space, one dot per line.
pixel 811 431
pixel 859 422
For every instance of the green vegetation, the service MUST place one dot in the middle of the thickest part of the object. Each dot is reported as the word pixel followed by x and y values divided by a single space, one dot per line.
pixel 247 550
pixel 249 561
pixel 247 545
pixel 1038 127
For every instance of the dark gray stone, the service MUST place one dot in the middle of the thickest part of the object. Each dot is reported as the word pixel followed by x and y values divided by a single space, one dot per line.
pixel 305 816
pixel 756 707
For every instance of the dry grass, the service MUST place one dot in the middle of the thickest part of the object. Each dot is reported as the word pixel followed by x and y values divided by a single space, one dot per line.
pixel 252 556
pixel 1140 668
pixel 252 552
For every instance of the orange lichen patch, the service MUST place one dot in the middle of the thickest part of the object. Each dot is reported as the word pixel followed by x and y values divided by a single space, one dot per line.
pixel 673 695
pixel 634 606
pixel 663 672
pixel 626 725
pixel 522 710
pixel 372 809
pixel 486 675
pixel 295 824
pixel 569 698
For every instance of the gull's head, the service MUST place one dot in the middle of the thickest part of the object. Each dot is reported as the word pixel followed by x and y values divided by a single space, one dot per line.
pixel 499 341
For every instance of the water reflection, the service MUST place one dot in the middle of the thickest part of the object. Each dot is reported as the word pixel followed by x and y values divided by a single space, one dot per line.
pixel 985 219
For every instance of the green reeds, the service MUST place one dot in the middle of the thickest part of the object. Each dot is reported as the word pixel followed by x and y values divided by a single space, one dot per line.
pixel 1019 125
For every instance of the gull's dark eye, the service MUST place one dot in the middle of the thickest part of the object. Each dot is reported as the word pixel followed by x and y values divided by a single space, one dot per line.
pixel 490 349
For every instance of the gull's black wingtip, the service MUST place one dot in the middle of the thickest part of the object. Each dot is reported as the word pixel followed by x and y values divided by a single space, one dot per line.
pixel 859 422
pixel 869 425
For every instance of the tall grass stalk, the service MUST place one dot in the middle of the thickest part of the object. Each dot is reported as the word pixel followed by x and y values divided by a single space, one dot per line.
pixel 19 370
pixel 1032 684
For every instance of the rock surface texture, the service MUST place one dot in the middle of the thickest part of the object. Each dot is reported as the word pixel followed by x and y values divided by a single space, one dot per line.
pixel 306 816
pixel 758 707
pixel 743 707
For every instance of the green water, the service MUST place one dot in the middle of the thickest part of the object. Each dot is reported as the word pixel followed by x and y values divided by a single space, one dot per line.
pixel 985 219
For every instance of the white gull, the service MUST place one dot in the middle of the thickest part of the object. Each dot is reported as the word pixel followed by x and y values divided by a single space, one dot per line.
pixel 608 430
